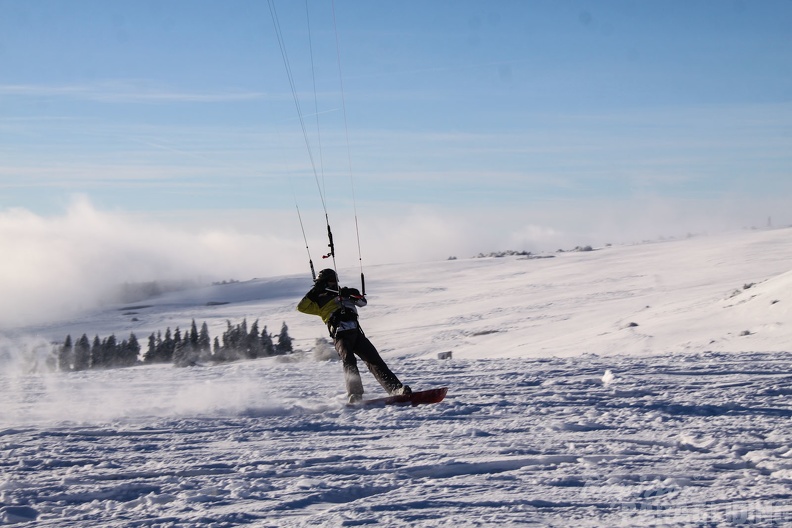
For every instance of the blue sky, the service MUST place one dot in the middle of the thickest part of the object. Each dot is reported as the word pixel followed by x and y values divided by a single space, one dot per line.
pixel 469 125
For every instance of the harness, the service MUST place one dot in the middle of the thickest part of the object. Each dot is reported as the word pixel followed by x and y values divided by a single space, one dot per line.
pixel 340 316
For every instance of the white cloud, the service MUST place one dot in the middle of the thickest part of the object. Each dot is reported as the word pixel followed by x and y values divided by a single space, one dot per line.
pixel 125 91
pixel 59 265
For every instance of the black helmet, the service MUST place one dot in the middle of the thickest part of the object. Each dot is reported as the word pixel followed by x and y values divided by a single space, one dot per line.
pixel 327 275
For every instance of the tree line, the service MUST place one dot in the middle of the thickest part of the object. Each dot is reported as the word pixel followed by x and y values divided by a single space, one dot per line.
pixel 183 349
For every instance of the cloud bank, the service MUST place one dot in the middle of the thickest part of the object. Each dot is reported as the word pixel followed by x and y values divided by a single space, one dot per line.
pixel 60 265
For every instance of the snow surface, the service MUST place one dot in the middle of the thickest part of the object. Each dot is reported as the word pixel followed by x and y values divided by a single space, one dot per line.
pixel 627 386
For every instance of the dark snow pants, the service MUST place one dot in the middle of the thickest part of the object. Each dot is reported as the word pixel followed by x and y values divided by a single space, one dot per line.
pixel 349 343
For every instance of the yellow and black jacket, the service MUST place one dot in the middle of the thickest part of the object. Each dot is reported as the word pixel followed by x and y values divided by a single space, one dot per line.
pixel 338 309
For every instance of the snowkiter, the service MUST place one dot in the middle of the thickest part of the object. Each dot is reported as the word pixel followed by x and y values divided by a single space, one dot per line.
pixel 338 309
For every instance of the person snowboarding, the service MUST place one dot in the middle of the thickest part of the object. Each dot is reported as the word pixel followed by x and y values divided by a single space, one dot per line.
pixel 338 309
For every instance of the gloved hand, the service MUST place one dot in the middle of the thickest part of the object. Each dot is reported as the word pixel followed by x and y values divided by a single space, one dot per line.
pixel 350 293
pixel 317 290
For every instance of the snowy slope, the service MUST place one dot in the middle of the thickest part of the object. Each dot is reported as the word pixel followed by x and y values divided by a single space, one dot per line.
pixel 561 412
pixel 685 295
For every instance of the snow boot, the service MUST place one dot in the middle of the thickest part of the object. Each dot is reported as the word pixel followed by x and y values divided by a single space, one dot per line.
pixel 404 390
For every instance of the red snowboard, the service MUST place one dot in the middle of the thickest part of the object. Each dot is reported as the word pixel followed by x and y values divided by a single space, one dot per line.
pixel 416 398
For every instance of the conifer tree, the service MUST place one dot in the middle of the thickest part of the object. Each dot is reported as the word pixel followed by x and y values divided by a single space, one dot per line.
pixel 227 336
pixel 266 343
pixel 167 348
pixel 234 342
pixel 193 335
pixel 253 346
pixel 132 350
pixel 66 354
pixel 97 356
pixel 284 345
pixel 151 353
pixel 121 355
pixel 82 353
pixel 204 343
pixel 110 352
pixel 159 353
pixel 184 355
